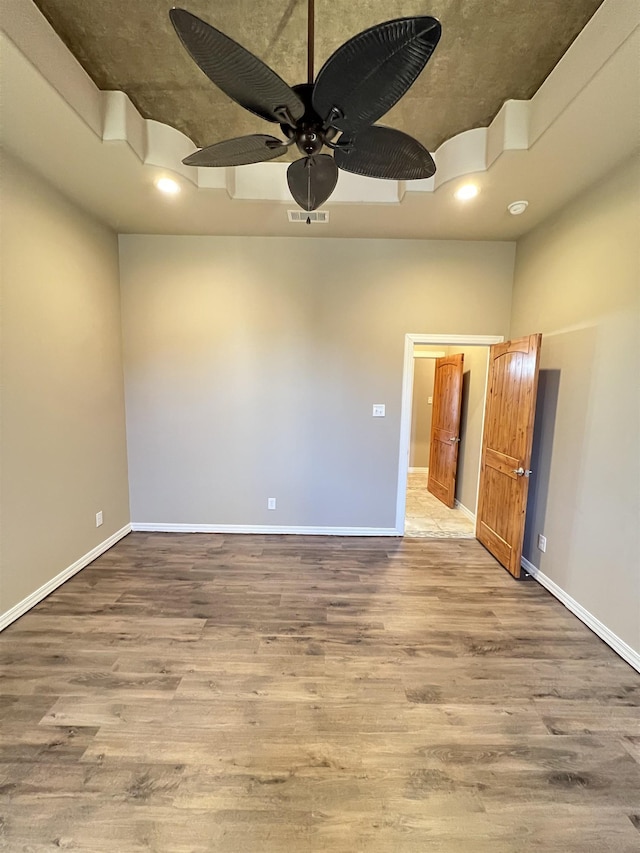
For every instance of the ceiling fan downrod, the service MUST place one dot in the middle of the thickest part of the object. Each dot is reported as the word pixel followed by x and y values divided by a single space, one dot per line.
pixel 310 39
pixel 310 134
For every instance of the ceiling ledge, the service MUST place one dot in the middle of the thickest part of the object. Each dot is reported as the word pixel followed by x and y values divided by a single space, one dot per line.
pixel 164 147
pixel 517 126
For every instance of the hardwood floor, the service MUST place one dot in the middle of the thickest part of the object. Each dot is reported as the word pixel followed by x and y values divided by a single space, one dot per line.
pixel 268 694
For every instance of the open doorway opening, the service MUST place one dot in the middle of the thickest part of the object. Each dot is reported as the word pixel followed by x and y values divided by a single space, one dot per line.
pixel 421 509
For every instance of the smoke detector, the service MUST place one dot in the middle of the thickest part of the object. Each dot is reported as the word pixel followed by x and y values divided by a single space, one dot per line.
pixel 311 217
pixel 517 207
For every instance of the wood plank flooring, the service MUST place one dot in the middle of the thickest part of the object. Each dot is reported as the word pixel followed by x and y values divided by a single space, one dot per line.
pixel 190 693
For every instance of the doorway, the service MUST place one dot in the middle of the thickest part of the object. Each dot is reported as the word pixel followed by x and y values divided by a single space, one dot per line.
pixel 426 514
pixel 419 512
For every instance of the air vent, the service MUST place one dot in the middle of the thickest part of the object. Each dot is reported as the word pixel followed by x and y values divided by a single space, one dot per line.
pixel 313 217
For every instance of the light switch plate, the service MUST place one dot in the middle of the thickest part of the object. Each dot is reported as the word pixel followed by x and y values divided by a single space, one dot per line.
pixel 378 410
pixel 430 400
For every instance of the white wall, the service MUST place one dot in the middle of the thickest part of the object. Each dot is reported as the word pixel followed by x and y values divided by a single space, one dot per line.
pixel 577 280
pixel 252 365
pixel 63 449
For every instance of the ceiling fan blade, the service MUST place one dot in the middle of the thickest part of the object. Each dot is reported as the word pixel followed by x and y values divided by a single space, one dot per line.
pixel 240 74
pixel 382 152
pixel 312 180
pixel 365 77
pixel 238 152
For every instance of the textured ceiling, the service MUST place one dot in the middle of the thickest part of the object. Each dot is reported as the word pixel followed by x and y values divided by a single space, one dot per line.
pixel 490 51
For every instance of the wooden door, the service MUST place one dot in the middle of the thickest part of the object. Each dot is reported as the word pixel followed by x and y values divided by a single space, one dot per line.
pixel 445 428
pixel 506 448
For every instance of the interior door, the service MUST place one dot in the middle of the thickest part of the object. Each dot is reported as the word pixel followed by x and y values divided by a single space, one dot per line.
pixel 506 448
pixel 445 428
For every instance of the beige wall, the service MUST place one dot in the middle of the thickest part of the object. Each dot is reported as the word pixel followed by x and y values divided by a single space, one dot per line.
pixel 421 411
pixel 474 383
pixel 252 365
pixel 577 281
pixel 63 449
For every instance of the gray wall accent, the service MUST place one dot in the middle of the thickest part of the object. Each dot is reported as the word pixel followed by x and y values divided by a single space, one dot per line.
pixel 577 281
pixel 421 411
pixel 63 448
pixel 473 398
pixel 251 366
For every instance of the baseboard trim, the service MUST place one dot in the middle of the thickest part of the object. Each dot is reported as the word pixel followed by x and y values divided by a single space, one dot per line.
pixel 269 529
pixel 31 600
pixel 619 646
pixel 465 511
pixel 418 470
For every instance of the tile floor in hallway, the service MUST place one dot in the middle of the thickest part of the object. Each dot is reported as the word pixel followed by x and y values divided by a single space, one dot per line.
pixel 428 517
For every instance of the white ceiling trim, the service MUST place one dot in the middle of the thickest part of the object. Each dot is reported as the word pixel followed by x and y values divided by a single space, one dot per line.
pixel 612 24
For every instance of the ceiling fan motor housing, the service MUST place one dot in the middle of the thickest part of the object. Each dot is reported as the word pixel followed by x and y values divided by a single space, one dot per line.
pixel 309 134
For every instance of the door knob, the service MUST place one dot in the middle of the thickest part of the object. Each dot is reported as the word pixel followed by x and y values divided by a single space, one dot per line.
pixel 454 438
pixel 521 472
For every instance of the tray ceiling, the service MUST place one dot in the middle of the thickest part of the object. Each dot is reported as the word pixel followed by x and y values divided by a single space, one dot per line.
pixel 489 53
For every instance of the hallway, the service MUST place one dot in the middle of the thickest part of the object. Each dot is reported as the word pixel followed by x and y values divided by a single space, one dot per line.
pixel 429 518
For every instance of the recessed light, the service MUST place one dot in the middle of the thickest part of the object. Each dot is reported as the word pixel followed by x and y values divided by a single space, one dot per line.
pixel 168 186
pixel 466 192
pixel 517 207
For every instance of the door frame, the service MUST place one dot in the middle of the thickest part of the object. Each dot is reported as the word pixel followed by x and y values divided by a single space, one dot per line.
pixel 410 339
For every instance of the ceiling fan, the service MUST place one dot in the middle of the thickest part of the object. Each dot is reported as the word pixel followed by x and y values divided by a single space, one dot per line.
pixel 357 85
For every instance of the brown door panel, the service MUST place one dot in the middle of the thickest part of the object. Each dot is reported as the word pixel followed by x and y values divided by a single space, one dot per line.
pixel 445 428
pixel 506 448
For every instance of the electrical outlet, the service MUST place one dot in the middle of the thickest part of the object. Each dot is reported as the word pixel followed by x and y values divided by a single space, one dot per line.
pixel 98 518
pixel 430 401
pixel 378 410
pixel 271 503
pixel 542 542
